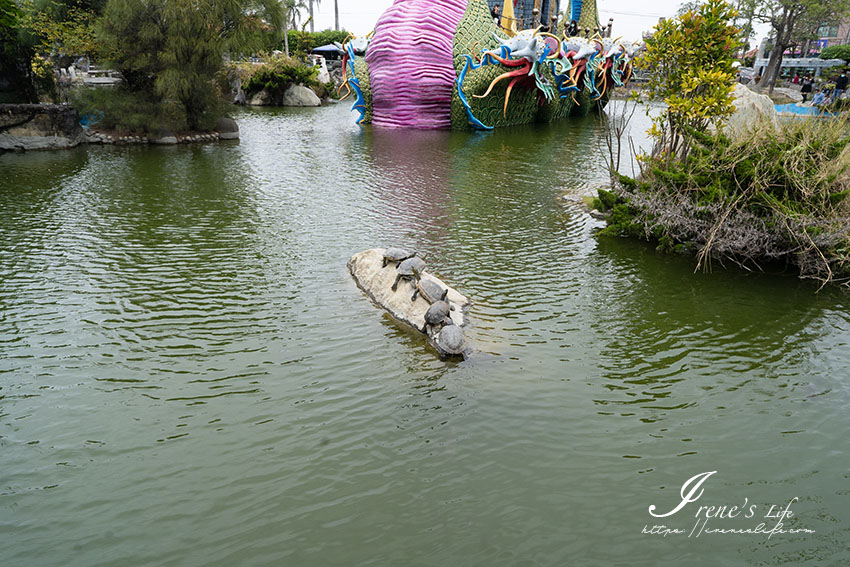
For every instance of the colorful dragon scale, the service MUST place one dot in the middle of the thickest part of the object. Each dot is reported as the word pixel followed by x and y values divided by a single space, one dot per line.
pixel 361 69
pixel 584 12
pixel 444 63
pixel 410 63
pixel 475 34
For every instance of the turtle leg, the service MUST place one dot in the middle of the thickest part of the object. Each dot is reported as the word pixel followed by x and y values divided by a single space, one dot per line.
pixel 395 285
pixel 385 263
pixel 415 293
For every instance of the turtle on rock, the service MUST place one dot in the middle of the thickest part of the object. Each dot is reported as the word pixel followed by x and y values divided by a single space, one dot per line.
pixel 451 342
pixel 430 290
pixel 396 255
pixel 438 314
pixel 410 269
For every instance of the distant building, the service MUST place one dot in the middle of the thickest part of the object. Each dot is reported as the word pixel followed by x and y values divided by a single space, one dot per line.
pixel 835 33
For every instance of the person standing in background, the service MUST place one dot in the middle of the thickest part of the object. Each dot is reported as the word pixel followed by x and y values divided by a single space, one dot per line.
pixel 840 86
pixel 806 89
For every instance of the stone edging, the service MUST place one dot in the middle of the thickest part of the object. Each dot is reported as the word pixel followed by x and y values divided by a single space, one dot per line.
pixel 103 138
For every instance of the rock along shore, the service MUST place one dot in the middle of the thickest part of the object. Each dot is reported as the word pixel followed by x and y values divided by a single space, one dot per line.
pixel 25 127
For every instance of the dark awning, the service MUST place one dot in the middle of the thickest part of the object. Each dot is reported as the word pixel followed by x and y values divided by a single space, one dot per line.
pixel 325 49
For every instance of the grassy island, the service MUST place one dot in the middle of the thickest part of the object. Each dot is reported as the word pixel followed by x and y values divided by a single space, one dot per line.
pixel 775 192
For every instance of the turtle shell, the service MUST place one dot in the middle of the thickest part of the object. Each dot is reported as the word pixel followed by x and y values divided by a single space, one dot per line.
pixel 411 267
pixel 396 254
pixel 451 340
pixel 432 291
pixel 437 313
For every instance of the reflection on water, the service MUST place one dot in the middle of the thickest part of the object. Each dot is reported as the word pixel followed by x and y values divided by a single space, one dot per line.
pixel 186 361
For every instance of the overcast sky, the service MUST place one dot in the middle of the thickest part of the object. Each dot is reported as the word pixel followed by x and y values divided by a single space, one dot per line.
pixel 630 17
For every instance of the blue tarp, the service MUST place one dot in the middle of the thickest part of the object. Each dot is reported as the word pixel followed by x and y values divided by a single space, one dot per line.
pixel 329 51
pixel 325 49
pixel 799 110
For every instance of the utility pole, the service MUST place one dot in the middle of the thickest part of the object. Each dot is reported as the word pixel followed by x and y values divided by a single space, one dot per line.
pixel 336 15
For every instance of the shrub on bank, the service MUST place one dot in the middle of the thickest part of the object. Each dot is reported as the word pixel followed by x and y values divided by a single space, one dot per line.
pixel 124 110
pixel 302 42
pixel 836 52
pixel 275 75
pixel 773 194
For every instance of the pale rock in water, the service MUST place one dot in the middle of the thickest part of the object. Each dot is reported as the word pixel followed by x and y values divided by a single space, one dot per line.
pixel 377 283
pixel 297 95
pixel 227 128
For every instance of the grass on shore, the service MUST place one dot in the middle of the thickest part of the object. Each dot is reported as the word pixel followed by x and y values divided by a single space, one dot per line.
pixel 773 194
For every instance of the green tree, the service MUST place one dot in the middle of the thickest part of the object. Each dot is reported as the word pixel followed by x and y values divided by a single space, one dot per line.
pixel 836 52
pixel 690 60
pixel 61 28
pixel 15 55
pixel 171 49
pixel 689 6
pixel 291 12
pixel 792 22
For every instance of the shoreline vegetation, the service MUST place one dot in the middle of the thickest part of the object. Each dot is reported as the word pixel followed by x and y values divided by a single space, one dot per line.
pixel 179 63
pixel 774 194
pixel 774 191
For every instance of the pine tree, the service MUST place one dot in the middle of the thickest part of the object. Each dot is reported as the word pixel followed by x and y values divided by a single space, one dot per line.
pixel 171 49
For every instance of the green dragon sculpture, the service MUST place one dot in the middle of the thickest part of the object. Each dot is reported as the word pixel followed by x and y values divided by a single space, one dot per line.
pixel 403 75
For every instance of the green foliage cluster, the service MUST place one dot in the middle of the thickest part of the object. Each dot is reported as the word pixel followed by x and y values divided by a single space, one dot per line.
pixel 622 216
pixel 771 194
pixel 49 33
pixel 276 74
pixel 171 50
pixel 796 167
pixel 690 60
pixel 836 52
pixel 10 16
pixel 127 111
pixel 302 42
pixel 62 28
pixel 15 56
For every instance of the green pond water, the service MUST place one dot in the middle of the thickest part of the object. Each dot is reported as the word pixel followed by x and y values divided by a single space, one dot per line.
pixel 189 376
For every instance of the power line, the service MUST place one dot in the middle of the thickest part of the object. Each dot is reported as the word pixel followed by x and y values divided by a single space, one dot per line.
pixel 653 16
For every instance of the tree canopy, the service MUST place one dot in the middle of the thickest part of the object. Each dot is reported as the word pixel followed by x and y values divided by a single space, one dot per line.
pixel 691 62
pixel 836 52
pixel 173 48
pixel 794 22
pixel 15 56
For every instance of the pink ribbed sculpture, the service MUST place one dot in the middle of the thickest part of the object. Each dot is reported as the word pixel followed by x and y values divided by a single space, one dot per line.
pixel 410 63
